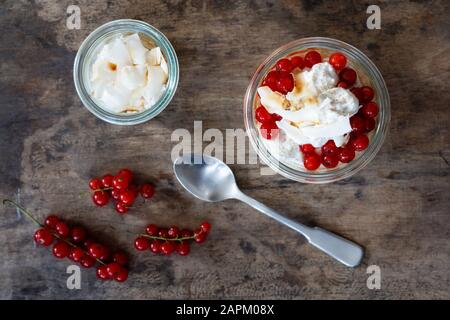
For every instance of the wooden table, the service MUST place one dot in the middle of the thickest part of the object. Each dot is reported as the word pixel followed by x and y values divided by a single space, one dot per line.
pixel 397 207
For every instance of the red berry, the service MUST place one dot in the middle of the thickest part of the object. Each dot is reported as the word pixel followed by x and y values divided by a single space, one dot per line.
pixel 167 248
pixel 113 268
pixel 121 207
pixel 367 93
pixel 105 255
pixel 122 275
pixel 100 198
pixel 360 142
pixel 43 237
pixel 357 123
pixel 115 194
pixel 312 58
pixel 51 221
pixel 155 246
pixel 342 84
pixel 284 65
pixel 205 226
pixel 152 230
pixel 285 83
pixel 107 181
pixel 96 250
pixel 77 234
pixel 262 115
pixel 346 154
pixel 87 261
pixel 338 60
pixel 127 197
pixel 200 236
pixel 76 254
pixel 95 184
pixel 173 232
pixel 307 148
pixel 121 182
pixel 297 62
pixel 370 124
pixel 348 75
pixel 147 190
pixel 62 229
pixel 87 243
pixel 183 248
pixel 120 258
pixel 61 250
pixel 185 233
pixel 329 148
pixel 126 173
pixel 330 161
pixel 141 243
pixel 370 110
pixel 271 80
pixel 311 161
pixel 357 92
pixel 163 233
pixel 269 130
pixel 102 272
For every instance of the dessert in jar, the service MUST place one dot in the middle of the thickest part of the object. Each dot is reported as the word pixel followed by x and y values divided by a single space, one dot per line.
pixel 315 111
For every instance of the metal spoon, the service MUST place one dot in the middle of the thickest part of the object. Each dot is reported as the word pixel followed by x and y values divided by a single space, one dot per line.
pixel 210 179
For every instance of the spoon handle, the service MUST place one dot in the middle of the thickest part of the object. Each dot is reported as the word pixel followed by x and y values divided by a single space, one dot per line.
pixel 343 250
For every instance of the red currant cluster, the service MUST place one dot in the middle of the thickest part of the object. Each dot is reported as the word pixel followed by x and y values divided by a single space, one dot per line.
pixel 121 188
pixel 167 241
pixel 74 243
pixel 362 123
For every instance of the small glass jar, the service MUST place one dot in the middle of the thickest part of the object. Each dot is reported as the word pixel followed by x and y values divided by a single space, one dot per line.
pixel 364 68
pixel 87 54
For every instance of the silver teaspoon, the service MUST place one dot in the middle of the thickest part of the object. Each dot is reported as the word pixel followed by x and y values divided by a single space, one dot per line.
pixel 210 179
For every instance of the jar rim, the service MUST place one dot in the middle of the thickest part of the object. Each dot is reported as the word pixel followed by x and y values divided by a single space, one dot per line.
pixel 94 39
pixel 382 98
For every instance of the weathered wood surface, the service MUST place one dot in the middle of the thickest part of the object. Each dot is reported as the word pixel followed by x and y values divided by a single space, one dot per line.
pixel 398 207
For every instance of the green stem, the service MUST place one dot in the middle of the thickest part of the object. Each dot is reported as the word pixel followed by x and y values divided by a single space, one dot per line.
pixel 167 239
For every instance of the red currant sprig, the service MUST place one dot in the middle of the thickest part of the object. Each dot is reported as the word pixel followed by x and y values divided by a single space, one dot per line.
pixel 73 243
pixel 167 241
pixel 121 188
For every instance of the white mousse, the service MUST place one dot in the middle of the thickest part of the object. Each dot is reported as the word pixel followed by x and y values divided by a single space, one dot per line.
pixel 128 77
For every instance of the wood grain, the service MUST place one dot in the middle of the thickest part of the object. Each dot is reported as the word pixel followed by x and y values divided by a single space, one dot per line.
pixel 397 208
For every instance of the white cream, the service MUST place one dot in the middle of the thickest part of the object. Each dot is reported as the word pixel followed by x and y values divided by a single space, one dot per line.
pixel 128 77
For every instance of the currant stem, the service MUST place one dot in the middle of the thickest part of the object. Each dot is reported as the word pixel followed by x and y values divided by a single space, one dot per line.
pixel 30 216
pixel 167 239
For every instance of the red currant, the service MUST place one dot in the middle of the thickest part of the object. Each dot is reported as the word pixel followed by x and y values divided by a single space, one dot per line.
pixel 95 184
pixel 121 182
pixel 338 60
pixel 370 124
pixel 105 255
pixel 127 197
pixel 330 161
pixel 163 233
pixel 307 148
pixel 155 246
pixel 342 84
pixel 62 229
pixel 122 275
pixel 269 130
pixel 297 62
pixel 126 173
pixel 367 93
pixel 186 233
pixel 262 115
pixel 357 123
pixel 271 80
pixel 183 248
pixel 141 243
pixel 285 83
pixel 77 234
pixel 329 148
pixel 43 237
pixel 360 142
pixel 115 194
pixel 87 261
pixel 348 75
pixel 357 92
pixel 312 58
pixel 346 154
pixel 147 190
pixel 51 221
pixel 96 250
pixel 173 232
pixel 87 243
pixel 120 258
pixel 61 250
pixel 107 181
pixel 205 226
pixel 284 65
pixel 100 198
pixel 167 248
pixel 76 254
pixel 152 230
pixel 102 272
pixel 199 236
pixel 311 161
pixel 113 268
pixel 121 207
pixel 370 110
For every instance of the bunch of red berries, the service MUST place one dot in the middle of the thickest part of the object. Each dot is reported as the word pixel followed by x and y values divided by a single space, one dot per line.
pixel 121 188
pixel 169 240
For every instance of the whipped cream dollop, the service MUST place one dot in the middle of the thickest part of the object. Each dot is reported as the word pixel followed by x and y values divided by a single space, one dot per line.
pixel 315 111
pixel 127 76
